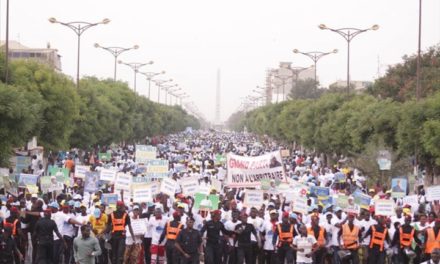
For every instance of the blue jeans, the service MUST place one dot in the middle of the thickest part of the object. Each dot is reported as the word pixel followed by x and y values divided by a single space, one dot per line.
pixel 336 259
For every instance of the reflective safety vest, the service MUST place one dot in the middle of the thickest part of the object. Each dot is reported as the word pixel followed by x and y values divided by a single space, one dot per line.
pixel 285 237
pixel 321 238
pixel 118 223
pixel 378 238
pixel 11 225
pixel 173 232
pixel 432 242
pixel 405 238
pixel 350 237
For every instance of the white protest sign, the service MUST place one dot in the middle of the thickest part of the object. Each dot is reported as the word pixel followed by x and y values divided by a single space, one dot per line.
pixel 168 186
pixel 139 227
pixel 299 205
pixel 216 184
pixel 384 207
pixel 411 200
pixel 80 171
pixel 154 187
pixel 142 193
pixel 290 196
pixel 250 171
pixel 433 193
pixel 253 198
pixel 123 182
pixel 144 153
pixel 189 185
pixel 352 209
pixel 107 175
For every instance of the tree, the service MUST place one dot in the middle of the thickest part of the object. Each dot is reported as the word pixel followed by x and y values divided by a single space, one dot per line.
pixel 305 89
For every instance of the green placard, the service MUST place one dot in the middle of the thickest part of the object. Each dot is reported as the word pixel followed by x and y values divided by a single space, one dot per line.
pixel 215 200
pixel 342 201
pixel 104 156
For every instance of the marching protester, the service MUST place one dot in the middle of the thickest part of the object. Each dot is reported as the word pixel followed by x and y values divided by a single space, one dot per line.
pixel 216 197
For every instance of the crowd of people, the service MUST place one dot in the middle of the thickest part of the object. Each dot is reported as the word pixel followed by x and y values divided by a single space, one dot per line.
pixel 74 226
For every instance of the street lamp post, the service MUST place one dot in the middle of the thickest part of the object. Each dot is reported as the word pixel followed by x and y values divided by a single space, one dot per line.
pixel 150 76
pixel 166 88
pixel 348 34
pixel 315 56
pixel 172 92
pixel 115 51
pixel 135 66
pixel 178 96
pixel 78 27
pixel 159 83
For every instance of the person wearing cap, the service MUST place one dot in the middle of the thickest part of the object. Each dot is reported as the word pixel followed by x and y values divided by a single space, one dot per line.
pixel 43 233
pixel 98 221
pixel 157 225
pixel 403 238
pixel 320 234
pixel 243 232
pixel 432 237
pixel 189 243
pixel 284 234
pixel 378 235
pixel 133 245
pixel 117 221
pixel 68 231
pixel 266 233
pixel 14 223
pixel 213 249
pixel 171 231
pixel 350 236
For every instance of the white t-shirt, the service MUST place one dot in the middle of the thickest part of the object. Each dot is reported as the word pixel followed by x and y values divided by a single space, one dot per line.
pixel 366 225
pixel 59 220
pixel 257 223
pixel 128 239
pixel 67 229
pixel 305 243
pixel 268 229
pixel 157 227
pixel 230 226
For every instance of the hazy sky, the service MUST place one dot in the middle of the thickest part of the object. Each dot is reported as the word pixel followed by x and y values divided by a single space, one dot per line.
pixel 191 39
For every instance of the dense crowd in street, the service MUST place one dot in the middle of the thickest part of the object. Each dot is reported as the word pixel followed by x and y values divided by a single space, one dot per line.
pixel 290 207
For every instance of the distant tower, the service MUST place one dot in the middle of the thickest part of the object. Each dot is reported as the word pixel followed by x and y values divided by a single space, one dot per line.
pixel 217 100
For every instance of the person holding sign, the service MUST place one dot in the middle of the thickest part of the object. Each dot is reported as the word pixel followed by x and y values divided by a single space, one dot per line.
pixel 117 221
pixel 133 244
pixel 285 232
pixel 378 234
pixel 171 231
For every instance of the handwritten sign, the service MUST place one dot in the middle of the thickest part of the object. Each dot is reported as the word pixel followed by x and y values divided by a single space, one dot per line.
pixel 384 207
pixel 144 153
pixel 189 185
pixel 80 171
pixel 168 187
pixel 139 227
pixel 123 183
pixel 299 205
pixel 107 175
pixel 142 193
pixel 433 193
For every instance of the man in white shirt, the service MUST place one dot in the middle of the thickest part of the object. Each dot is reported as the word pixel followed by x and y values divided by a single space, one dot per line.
pixel 231 247
pixel 257 222
pixel 267 231
pixel 305 246
pixel 157 224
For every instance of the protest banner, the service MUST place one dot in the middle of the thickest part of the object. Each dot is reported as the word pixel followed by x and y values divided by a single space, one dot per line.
pixel 249 171
pixel 109 199
pixel 189 185
pixel 45 183
pixel 168 186
pixel 319 191
pixel 411 200
pixel 123 183
pixel 154 187
pixel 139 227
pixel 32 189
pixel 384 160
pixel 214 200
pixel 253 198
pixel 104 156
pixel 341 200
pixel 299 205
pixel 80 171
pixel 141 193
pixel 340 177
pixel 362 200
pixel 289 195
pixel 27 179
pixel 57 171
pixel 91 182
pixel 433 193
pixel 144 153
pixel 157 168
pixel 216 184
pixel 107 175
pixel 352 209
pixel 220 159
pixel 398 187
pixel 205 189
pixel 299 188
pixel 384 207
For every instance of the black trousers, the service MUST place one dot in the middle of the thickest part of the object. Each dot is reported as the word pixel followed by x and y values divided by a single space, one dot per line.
pixel 319 256
pixel 171 252
pixel 68 252
pixel 58 250
pixel 103 258
pixel 376 257
pixel 118 250
pixel 270 257
pixel 244 253
pixel 147 251
pixel 285 252
pixel 213 253
pixel 193 259
pixel 45 253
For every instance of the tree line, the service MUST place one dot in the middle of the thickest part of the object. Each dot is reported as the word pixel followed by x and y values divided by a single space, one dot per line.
pixel 385 116
pixel 38 101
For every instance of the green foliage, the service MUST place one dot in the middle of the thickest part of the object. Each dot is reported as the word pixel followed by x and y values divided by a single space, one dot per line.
pixel 305 89
pixel 41 102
